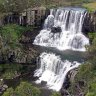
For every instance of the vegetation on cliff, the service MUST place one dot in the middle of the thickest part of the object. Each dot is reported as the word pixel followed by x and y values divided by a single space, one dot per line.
pixel 9 71
pixel 11 34
pixel 56 94
pixel 10 47
pixel 91 7
pixel 17 6
pixel 24 89
pixel 85 80
pixel 12 54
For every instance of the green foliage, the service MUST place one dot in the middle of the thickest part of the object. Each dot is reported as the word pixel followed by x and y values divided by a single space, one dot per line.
pixel 56 94
pixel 9 74
pixel 10 71
pixel 11 33
pixel 9 92
pixel 14 67
pixel 24 89
pixel 87 71
pixel 92 90
pixel 91 7
pixel 92 35
pixel 91 50
pixel 18 6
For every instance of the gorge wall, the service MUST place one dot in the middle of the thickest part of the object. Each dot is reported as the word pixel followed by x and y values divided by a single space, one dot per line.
pixel 36 16
pixel 30 16
pixel 89 23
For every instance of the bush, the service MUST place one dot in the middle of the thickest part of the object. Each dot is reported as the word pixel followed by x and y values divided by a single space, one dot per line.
pixel 86 76
pixel 9 92
pixel 24 89
pixel 56 94
pixel 11 34
pixel 92 90
pixel 10 71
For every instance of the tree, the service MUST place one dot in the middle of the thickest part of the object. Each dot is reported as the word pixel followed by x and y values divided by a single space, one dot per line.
pixel 92 90
pixel 24 89
pixel 9 92
pixel 85 79
pixel 18 5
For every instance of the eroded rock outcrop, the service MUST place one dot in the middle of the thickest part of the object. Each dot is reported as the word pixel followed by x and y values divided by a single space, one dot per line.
pixel 56 30
pixel 89 24
pixel 19 54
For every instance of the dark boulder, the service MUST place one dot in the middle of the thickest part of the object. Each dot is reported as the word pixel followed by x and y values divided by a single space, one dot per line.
pixel 89 24
pixel 43 82
pixel 66 84
pixel 56 30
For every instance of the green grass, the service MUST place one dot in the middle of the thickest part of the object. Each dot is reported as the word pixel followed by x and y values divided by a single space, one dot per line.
pixel 91 7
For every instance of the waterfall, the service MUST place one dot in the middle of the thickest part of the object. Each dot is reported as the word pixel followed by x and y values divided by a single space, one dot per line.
pixel 53 70
pixel 62 29
pixel 70 21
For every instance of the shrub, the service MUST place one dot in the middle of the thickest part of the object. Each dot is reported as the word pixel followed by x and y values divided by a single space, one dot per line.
pixel 56 94
pixel 24 89
pixel 11 34
pixel 9 92
pixel 92 90
pixel 10 71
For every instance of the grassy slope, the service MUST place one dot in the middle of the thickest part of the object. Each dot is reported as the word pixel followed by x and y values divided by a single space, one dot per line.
pixel 90 6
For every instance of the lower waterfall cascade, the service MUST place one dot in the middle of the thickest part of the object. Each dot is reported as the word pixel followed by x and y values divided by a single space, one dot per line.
pixel 70 20
pixel 53 70
pixel 63 30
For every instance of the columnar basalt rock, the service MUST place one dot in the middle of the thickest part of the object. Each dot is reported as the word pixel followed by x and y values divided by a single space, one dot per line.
pixel 89 24
pixel 30 16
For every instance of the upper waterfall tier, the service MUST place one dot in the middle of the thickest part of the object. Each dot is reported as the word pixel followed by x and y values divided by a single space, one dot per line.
pixel 63 30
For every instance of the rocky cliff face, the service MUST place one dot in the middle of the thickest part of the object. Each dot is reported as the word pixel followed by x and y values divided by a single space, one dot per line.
pixel 22 53
pixel 89 23
pixel 30 16
pixel 18 55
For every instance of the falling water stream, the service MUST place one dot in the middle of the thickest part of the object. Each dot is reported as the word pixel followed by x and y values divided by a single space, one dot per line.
pixel 70 20
pixel 68 24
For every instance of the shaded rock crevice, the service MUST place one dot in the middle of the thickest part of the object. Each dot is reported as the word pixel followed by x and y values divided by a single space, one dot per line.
pixel 89 24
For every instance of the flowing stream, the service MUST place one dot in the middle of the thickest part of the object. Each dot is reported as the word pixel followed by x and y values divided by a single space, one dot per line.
pixel 62 30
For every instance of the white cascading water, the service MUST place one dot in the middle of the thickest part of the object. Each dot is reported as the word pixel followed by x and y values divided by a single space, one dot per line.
pixel 53 70
pixel 70 20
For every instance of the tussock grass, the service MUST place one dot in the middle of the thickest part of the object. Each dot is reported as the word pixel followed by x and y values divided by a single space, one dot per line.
pixel 90 6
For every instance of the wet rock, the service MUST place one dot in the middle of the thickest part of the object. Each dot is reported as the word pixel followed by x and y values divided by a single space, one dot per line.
pixel 27 56
pixel 56 30
pixel 72 74
pixel 5 86
pixel 68 81
pixel 81 83
pixel 89 24
pixel 64 92
pixel 29 36
pixel 66 84
pixel 43 82
pixel 69 78
pixel 19 55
